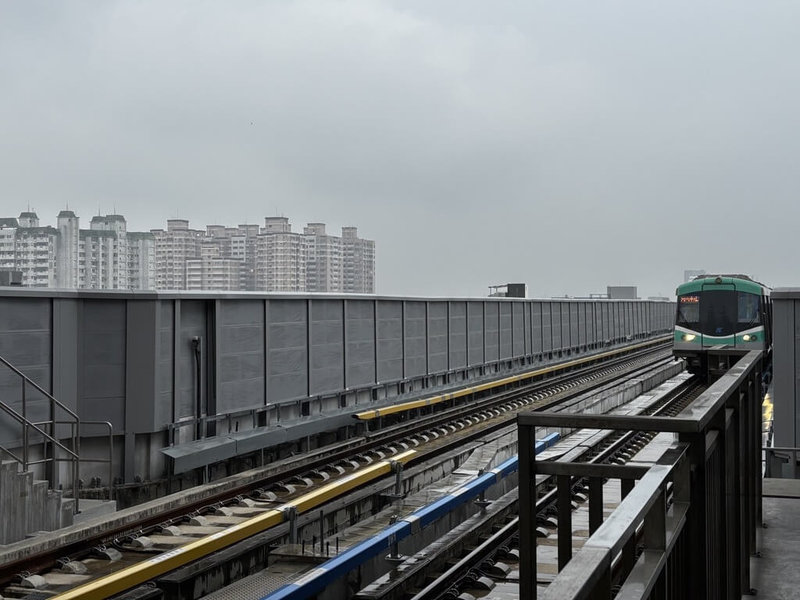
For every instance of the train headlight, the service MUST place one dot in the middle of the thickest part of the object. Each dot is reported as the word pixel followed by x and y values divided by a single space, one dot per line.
pixel 688 337
pixel 747 337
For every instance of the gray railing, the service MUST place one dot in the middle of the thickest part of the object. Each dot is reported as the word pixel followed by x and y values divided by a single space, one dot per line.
pixel 686 525
pixel 63 447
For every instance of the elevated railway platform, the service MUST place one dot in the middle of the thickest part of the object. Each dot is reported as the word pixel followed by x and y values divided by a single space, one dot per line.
pixel 681 502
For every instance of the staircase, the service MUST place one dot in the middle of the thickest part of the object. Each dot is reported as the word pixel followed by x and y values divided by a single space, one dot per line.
pixel 29 505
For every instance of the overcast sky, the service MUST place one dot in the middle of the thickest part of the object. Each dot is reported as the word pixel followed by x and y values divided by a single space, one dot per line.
pixel 567 144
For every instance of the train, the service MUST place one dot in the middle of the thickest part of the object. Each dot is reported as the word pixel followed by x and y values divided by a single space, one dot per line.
pixel 721 312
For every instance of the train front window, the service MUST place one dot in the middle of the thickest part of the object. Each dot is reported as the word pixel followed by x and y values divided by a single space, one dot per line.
pixel 718 312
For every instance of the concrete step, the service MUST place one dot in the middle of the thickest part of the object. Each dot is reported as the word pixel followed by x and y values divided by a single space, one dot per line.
pixel 67 511
pixel 36 505
pixel 91 509
pixel 52 513
pixel 12 509
pixel 29 506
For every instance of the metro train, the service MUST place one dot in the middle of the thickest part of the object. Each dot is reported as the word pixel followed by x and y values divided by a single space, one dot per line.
pixel 721 311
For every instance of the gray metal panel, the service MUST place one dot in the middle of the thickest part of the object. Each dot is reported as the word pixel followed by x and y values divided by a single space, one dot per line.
pixel 506 331
pixel 492 325
pixel 588 315
pixel 575 325
pixel 415 346
pixel 630 325
pixel 641 323
pixel 240 364
pixel 193 322
pixel 165 352
pixel 359 342
pixel 25 341
pixel 475 341
pixel 645 322
pixel 566 325
pixel 458 334
pixel 201 453
pixel 536 327
pixel 555 321
pixel 437 337
pixel 65 351
pixel 25 338
pixel 547 326
pixel 256 439
pixel 518 328
pixel 141 354
pixel 390 340
pixel 102 379
pixel 327 346
pixel 785 357
pixel 287 350
pixel 528 314
pixel 795 380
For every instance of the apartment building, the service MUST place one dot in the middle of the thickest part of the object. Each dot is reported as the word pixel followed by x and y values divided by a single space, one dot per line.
pixel 358 263
pixel 272 258
pixel 68 250
pixel 280 257
pixel 66 256
pixel 324 260
pixel 103 254
pixel 35 251
pixel 174 246
pixel 141 260
pixel 8 240
pixel 214 269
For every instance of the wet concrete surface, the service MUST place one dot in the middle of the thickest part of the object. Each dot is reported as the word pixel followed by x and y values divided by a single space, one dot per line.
pixel 775 575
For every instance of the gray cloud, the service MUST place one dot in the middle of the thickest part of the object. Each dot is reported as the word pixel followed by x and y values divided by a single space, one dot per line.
pixel 567 144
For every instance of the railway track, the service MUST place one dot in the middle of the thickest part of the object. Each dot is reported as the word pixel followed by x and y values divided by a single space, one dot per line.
pixel 151 548
pixel 492 565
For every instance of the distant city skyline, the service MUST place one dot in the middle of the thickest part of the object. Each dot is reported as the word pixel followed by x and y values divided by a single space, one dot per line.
pixel 246 257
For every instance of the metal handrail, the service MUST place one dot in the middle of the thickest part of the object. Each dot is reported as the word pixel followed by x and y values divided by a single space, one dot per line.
pixel 26 424
pixel 109 460
pixel 23 421
pixel 72 453
pixel 61 405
